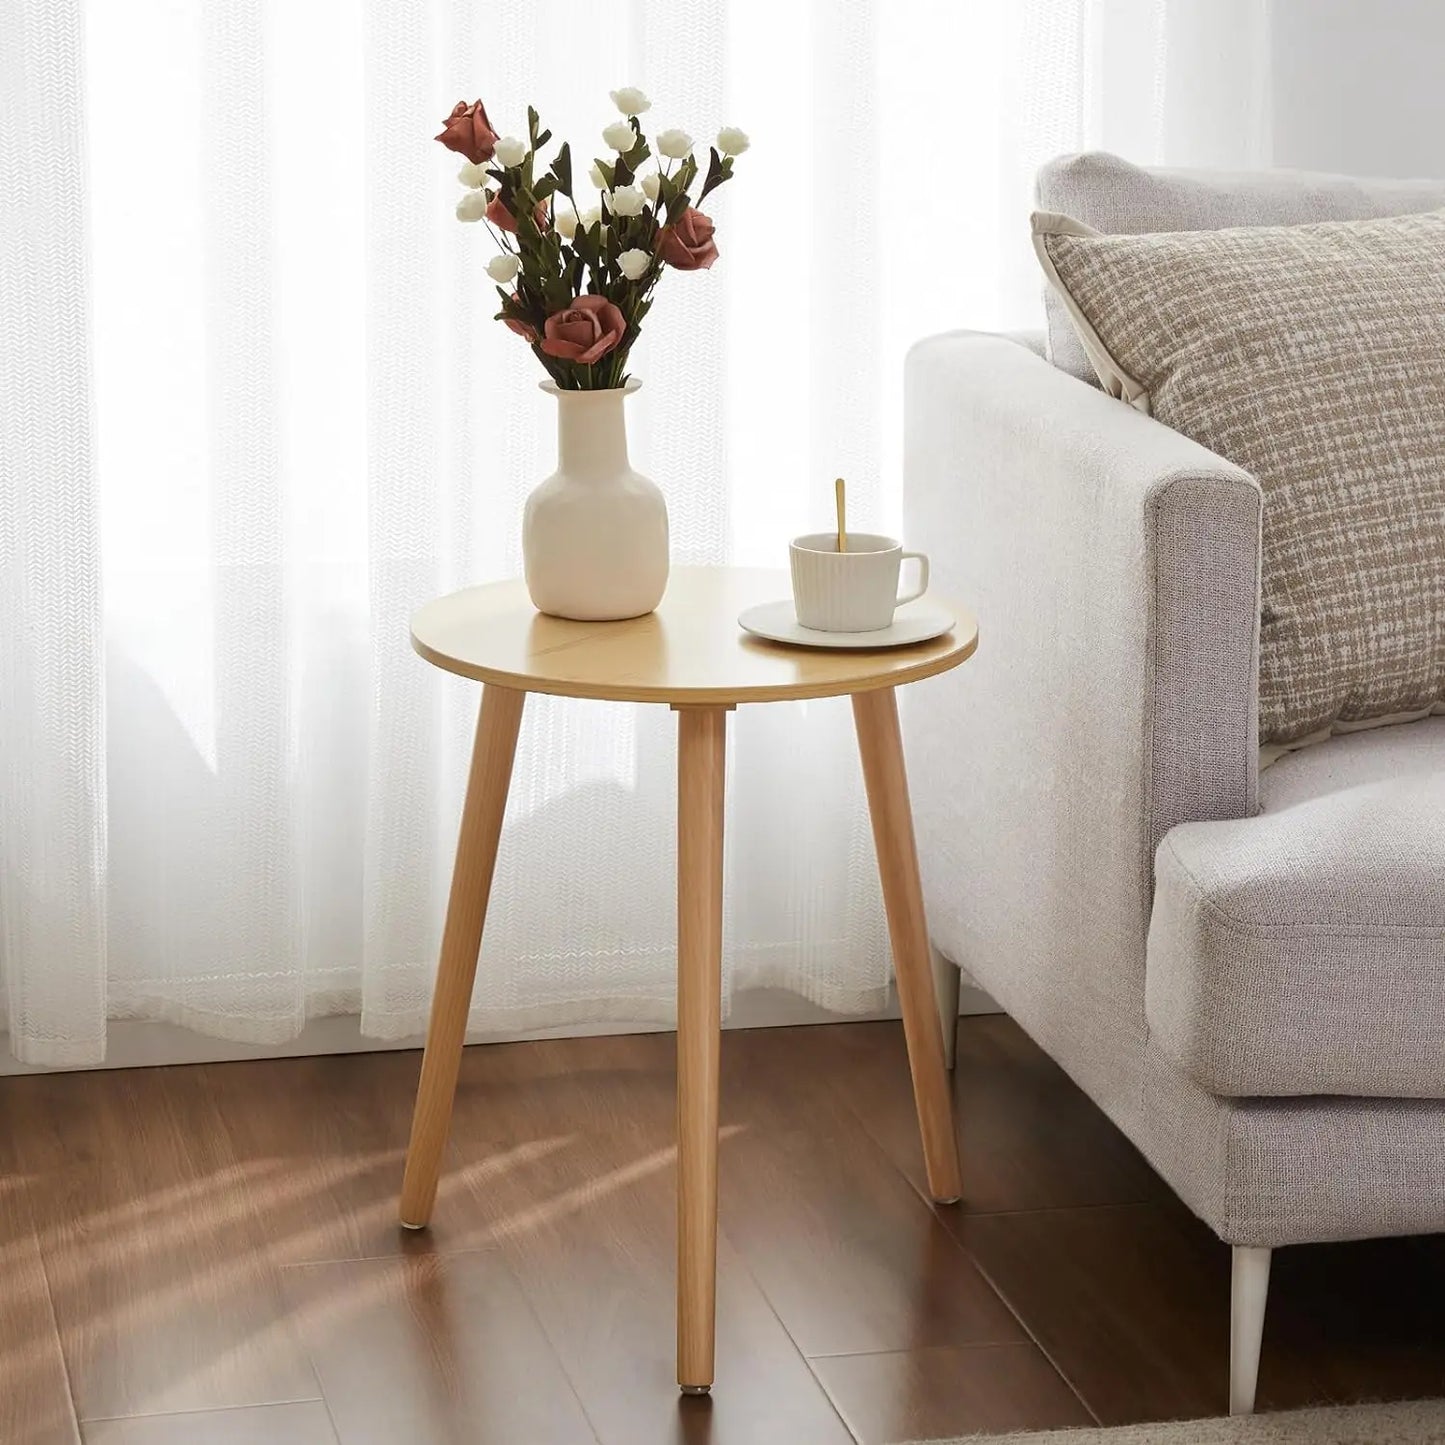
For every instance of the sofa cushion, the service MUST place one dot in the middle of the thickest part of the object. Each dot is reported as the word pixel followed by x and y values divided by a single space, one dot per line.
pixel 1302 951
pixel 1313 357
pixel 1109 194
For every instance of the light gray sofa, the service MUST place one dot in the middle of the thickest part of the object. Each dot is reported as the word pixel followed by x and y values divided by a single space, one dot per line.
pixel 1244 968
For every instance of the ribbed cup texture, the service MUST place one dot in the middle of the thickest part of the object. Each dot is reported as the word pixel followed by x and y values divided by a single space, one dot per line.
pixel 853 591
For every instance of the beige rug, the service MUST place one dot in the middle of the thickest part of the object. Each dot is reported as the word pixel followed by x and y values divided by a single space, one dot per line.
pixel 1419 1422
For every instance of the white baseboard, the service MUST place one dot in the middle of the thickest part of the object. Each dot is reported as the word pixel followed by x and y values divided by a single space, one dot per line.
pixel 132 1045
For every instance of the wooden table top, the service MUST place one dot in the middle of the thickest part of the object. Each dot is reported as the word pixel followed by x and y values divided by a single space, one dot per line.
pixel 691 651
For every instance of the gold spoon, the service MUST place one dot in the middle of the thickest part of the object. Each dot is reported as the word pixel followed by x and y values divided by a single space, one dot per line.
pixel 838 499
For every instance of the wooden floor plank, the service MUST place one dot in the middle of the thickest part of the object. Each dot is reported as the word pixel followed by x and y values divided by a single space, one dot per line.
pixel 162 1292
pixel 320 1144
pixel 1030 1139
pixel 148 1219
pixel 569 1151
pixel 1131 1303
pixel 1368 1316
pixel 432 1350
pixel 948 1390
pixel 302 1423
pixel 35 1403
pixel 852 1259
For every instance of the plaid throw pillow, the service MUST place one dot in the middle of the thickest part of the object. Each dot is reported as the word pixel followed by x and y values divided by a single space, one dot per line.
pixel 1313 356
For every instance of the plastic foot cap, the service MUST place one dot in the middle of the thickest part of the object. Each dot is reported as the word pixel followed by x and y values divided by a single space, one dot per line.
pixel 696 1389
pixel 407 1224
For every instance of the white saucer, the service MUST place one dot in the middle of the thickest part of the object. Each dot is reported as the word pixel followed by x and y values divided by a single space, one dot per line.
pixel 913 622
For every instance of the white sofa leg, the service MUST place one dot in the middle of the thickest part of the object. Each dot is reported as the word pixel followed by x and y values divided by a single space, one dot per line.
pixel 1249 1292
pixel 946 978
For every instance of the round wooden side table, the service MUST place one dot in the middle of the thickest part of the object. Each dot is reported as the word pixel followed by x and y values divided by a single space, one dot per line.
pixel 691 656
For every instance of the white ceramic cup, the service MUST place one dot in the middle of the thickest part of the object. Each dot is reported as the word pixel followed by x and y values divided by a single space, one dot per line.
pixel 852 591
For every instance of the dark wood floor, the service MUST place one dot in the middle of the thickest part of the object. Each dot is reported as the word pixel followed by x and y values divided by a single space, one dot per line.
pixel 209 1254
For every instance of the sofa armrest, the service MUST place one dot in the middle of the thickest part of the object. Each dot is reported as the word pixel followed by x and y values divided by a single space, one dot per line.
pixel 1114 568
pixel 1112 558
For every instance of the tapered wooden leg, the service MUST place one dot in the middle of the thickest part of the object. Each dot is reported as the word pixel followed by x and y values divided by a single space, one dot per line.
pixel 702 746
pixel 1248 1295
pixel 491 775
pixel 879 743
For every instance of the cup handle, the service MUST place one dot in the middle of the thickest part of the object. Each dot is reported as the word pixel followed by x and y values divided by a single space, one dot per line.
pixel 922 577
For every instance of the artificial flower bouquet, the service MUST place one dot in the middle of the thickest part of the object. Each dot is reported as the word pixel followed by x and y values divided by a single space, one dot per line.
pixel 582 273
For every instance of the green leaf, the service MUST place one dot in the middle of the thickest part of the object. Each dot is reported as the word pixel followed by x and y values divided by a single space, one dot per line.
pixel 544 262
pixel 562 169
pixel 639 150
pixel 585 242
pixel 605 168
pixel 718 171
pixel 686 174
pixel 533 121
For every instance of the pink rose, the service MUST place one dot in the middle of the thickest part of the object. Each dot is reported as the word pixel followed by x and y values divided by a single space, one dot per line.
pixel 585 332
pixel 468 132
pixel 504 220
pixel 687 244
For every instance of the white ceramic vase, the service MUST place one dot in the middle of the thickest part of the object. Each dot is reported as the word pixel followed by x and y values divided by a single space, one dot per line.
pixel 594 534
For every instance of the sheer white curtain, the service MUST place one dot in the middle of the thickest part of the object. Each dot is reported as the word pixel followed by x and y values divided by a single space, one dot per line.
pixel 253 410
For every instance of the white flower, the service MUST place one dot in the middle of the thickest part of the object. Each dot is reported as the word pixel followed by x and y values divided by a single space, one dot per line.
pixel 731 141
pixel 472 206
pixel 504 267
pixel 619 135
pixel 674 144
pixel 650 182
pixel 473 176
pixel 591 216
pixel 626 201
pixel 630 101
pixel 565 222
pixel 598 179
pixel 511 151
pixel 634 264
